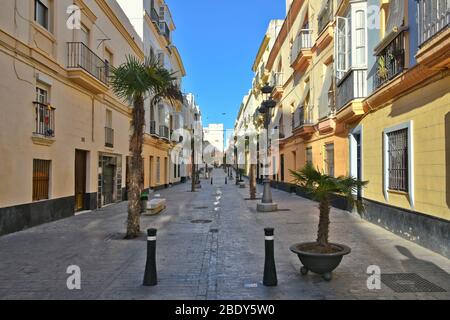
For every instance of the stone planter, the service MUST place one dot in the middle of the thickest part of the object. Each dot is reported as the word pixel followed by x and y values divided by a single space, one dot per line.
pixel 320 263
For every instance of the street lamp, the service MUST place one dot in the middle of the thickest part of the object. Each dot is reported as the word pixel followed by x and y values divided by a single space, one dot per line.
pixel 267 205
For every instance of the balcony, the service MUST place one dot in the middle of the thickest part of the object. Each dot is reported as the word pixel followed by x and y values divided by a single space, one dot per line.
pixel 350 92
pixel 433 18
pixel 302 122
pixel 390 61
pixel 325 28
pixel 164 30
pixel 109 137
pixel 351 87
pixel 434 35
pixel 301 54
pixel 44 124
pixel 277 84
pixel 153 128
pixel 164 132
pixel 86 68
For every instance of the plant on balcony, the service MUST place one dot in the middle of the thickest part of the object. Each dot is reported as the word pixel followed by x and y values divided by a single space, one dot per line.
pixel 134 81
pixel 322 256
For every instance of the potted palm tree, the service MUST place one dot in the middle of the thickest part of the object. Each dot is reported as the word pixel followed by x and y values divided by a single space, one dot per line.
pixel 134 81
pixel 322 256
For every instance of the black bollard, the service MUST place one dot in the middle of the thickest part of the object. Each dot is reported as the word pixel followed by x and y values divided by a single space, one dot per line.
pixel 270 272
pixel 212 181
pixel 150 278
pixel 226 181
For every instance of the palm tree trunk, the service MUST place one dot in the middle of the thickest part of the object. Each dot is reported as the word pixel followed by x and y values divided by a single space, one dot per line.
pixel 324 222
pixel 252 181
pixel 136 167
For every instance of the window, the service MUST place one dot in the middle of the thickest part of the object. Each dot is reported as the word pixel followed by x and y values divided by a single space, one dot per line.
pixel 109 56
pixel 108 119
pixel 44 114
pixel 360 38
pixel 41 14
pixel 309 155
pixel 342 47
pixel 41 95
pixel 158 169
pixel 398 160
pixel 161 58
pixel 161 13
pixel 109 131
pixel 329 159
pixel 41 179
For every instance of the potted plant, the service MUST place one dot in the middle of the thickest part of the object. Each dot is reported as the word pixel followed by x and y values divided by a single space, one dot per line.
pixel 144 200
pixel 321 256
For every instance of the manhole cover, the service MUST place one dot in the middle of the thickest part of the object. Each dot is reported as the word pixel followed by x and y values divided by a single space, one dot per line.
pixel 214 230
pixel 409 282
pixel 199 208
pixel 201 221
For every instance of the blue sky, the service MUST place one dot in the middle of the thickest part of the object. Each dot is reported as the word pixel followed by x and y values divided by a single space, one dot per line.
pixel 218 41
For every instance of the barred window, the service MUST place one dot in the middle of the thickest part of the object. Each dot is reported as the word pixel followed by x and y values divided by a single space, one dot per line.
pixel 41 179
pixel 398 160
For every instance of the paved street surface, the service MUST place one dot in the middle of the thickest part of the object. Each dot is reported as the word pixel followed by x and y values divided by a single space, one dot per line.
pixel 223 259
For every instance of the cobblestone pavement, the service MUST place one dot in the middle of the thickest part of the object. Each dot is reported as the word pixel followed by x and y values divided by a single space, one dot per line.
pixel 223 259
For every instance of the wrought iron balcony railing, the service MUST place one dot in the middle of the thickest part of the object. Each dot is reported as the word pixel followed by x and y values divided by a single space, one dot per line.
pixel 301 117
pixel 277 79
pixel 302 42
pixel 109 137
pixel 44 124
pixel 390 61
pixel 434 16
pixel 352 86
pixel 80 56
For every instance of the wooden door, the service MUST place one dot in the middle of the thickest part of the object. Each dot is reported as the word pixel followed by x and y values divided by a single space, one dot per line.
pixel 80 179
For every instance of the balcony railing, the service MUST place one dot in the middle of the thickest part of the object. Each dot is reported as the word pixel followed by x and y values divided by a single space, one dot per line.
pixel 390 61
pixel 164 132
pixel 153 127
pixel 352 86
pixel 302 116
pixel 44 120
pixel 277 79
pixel 325 16
pixel 109 137
pixel 164 30
pixel 302 42
pixel 434 16
pixel 80 56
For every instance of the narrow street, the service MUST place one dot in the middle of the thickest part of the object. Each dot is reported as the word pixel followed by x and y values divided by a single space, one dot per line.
pixel 210 245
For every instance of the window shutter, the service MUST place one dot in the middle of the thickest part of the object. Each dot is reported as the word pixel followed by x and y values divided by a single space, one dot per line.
pixel 341 47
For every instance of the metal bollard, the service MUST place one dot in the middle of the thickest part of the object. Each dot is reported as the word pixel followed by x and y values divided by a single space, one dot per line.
pixel 270 272
pixel 150 278
pixel 226 180
pixel 212 181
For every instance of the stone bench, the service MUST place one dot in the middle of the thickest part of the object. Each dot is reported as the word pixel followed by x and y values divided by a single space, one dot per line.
pixel 155 206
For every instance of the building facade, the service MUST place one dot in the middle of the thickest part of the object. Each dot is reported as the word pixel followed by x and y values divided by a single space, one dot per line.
pixel 65 143
pixel 363 90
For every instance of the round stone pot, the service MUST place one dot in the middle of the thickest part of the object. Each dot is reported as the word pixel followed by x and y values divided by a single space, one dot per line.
pixel 320 263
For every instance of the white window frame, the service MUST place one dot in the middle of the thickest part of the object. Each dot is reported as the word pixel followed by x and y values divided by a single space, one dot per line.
pixel 358 7
pixel 340 72
pixel 405 125
pixel 353 163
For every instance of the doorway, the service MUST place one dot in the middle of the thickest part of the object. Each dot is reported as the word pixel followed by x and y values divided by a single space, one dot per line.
pixel 356 171
pixel 80 180
pixel 109 172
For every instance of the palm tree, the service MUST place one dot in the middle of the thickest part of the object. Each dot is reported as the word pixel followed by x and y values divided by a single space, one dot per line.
pixel 134 81
pixel 322 186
